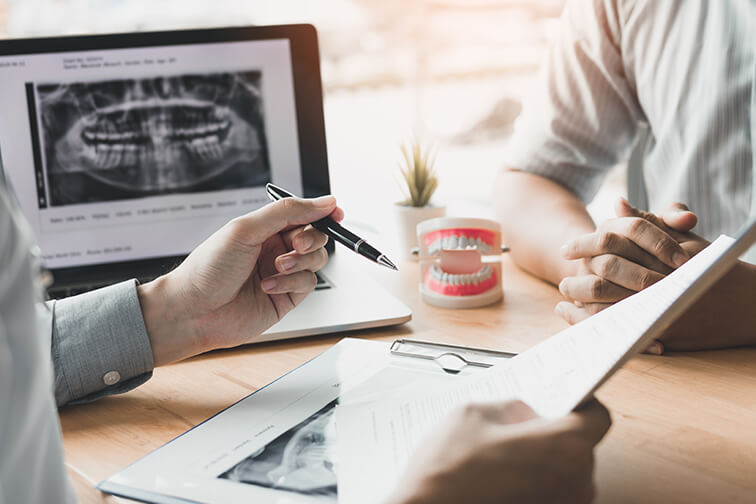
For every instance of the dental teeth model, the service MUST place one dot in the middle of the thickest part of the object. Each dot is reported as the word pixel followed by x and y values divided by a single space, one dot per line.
pixel 460 262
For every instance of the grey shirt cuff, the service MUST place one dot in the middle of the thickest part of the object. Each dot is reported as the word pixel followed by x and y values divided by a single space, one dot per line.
pixel 99 344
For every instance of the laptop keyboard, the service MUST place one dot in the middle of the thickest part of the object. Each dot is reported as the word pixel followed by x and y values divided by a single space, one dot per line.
pixel 62 292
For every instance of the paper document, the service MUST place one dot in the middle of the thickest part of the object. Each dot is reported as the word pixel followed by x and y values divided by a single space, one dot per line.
pixel 374 441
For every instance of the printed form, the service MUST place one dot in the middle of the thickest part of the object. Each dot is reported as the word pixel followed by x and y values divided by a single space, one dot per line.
pixel 375 440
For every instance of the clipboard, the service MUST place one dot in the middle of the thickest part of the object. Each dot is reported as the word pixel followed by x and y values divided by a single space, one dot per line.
pixel 451 358
pixel 276 445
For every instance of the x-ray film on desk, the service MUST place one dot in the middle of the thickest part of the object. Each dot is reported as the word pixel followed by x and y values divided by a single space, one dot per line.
pixel 279 443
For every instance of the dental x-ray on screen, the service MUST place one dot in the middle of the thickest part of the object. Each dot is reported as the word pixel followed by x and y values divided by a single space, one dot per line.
pixel 133 138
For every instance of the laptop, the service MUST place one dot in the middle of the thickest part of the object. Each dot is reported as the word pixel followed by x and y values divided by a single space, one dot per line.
pixel 126 151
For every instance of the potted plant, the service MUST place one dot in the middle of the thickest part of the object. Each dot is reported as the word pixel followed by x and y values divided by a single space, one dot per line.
pixel 420 182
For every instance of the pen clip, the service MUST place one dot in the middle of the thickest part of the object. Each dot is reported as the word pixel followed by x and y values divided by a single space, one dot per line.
pixel 272 194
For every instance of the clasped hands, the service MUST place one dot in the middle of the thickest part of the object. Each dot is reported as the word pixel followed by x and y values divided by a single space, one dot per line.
pixel 625 255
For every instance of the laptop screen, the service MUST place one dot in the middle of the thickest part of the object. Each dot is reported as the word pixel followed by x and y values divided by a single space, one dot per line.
pixel 142 152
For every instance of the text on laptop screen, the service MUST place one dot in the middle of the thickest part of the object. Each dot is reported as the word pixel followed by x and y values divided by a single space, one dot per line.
pixel 127 154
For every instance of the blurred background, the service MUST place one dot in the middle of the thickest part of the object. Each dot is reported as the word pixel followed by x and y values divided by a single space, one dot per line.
pixel 448 72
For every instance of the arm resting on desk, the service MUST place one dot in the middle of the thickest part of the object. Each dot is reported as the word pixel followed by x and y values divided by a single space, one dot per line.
pixel 538 216
pixel 581 120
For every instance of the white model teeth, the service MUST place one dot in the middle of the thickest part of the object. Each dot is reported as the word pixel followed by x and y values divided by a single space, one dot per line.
pixel 470 279
pixel 458 243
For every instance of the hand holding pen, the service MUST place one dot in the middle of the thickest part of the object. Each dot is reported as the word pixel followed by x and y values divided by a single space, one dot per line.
pixel 338 232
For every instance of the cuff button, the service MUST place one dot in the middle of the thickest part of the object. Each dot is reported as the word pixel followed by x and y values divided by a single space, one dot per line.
pixel 111 377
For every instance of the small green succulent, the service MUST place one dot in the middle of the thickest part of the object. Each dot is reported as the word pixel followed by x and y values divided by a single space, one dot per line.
pixel 418 174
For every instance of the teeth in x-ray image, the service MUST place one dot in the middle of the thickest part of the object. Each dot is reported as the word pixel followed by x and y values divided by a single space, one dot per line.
pixel 299 460
pixel 123 138
pixel 157 133
pixel 154 135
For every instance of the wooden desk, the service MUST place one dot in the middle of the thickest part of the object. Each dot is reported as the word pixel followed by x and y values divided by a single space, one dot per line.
pixel 684 425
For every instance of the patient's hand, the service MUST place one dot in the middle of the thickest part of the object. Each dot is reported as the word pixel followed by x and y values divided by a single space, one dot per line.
pixel 505 453
pixel 625 255
pixel 723 317
pixel 238 282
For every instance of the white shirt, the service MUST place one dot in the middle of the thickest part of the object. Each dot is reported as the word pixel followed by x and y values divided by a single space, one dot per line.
pixel 684 71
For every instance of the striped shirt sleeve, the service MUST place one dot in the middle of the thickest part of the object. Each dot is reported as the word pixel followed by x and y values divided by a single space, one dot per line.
pixel 584 114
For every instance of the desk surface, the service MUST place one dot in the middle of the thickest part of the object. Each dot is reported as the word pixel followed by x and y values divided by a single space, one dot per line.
pixel 684 425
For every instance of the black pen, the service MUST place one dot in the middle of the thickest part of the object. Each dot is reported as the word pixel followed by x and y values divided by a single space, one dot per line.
pixel 336 231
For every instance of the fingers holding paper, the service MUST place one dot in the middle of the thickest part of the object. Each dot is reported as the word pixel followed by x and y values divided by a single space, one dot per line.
pixel 506 453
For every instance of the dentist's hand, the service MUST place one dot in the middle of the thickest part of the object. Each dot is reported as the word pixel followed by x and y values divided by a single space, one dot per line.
pixel 238 282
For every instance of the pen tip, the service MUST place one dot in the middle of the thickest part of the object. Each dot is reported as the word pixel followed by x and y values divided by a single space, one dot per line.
pixel 385 262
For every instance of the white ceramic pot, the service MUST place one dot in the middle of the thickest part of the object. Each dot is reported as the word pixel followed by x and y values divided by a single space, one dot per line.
pixel 407 219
